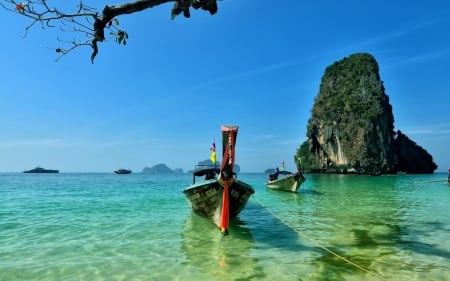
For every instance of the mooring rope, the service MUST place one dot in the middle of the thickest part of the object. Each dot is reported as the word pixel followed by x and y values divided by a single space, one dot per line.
pixel 420 182
pixel 318 245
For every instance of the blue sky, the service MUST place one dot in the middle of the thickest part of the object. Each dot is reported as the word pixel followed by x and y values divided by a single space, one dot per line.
pixel 163 97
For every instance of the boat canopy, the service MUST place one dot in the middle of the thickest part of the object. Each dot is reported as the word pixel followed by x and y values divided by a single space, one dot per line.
pixel 207 169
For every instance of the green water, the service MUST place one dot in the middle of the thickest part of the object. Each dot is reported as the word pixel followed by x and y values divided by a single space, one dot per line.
pixel 140 227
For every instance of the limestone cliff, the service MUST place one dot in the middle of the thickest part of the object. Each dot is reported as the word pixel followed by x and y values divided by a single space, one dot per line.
pixel 351 128
pixel 411 157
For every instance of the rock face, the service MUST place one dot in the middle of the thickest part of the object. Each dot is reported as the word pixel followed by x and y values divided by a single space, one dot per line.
pixel 411 157
pixel 351 128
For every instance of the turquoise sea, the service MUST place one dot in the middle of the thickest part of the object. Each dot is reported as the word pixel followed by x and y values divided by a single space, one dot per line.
pixel 93 227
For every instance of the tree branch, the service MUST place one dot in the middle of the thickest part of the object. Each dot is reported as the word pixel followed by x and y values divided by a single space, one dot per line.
pixel 40 12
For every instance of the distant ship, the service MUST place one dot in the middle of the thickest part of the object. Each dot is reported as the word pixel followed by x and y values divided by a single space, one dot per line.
pixel 39 170
pixel 122 171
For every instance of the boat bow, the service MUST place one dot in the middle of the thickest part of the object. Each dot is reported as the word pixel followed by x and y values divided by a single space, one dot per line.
pixel 219 198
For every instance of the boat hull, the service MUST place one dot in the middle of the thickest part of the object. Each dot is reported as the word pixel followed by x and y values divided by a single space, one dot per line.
pixel 205 198
pixel 122 172
pixel 41 171
pixel 290 183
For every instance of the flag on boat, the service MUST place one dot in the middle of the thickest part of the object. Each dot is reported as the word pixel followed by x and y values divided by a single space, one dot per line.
pixel 213 152
pixel 282 165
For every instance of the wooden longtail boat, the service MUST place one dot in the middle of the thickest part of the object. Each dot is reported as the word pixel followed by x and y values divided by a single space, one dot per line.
pixel 285 180
pixel 220 195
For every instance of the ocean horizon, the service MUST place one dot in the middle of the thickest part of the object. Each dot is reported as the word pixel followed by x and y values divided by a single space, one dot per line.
pixel 102 226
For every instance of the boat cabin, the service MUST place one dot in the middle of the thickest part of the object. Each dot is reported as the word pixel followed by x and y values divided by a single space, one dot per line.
pixel 208 171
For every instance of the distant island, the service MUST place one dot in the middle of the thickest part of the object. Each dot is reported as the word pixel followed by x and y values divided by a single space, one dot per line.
pixel 270 171
pixel 161 169
pixel 164 169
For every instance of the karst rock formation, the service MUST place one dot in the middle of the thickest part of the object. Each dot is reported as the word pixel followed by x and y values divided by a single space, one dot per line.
pixel 351 128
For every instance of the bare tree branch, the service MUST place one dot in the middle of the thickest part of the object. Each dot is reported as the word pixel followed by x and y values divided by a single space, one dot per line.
pixel 87 20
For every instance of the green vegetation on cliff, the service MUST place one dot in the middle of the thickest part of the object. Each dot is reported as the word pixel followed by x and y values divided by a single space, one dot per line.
pixel 351 91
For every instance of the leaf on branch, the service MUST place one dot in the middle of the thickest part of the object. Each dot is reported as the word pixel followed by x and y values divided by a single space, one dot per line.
pixel 121 36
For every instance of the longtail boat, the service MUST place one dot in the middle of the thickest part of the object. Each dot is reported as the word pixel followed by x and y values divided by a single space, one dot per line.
pixel 286 180
pixel 220 195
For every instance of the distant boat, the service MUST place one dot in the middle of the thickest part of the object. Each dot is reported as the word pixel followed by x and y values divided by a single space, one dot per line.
pixel 285 180
pixel 122 171
pixel 40 170
pixel 448 178
pixel 220 195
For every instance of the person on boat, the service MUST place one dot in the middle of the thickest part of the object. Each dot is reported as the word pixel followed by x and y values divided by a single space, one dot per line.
pixel 274 175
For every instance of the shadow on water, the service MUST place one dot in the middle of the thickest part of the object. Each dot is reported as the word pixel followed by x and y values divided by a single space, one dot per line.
pixel 397 236
pixel 273 234
pixel 310 192
pixel 292 197
pixel 369 245
pixel 365 241
pixel 299 192
pixel 270 231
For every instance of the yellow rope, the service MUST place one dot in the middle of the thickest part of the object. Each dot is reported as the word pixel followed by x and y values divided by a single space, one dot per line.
pixel 318 245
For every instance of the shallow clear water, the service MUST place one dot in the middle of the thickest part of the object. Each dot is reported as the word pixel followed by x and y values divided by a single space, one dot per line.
pixel 140 227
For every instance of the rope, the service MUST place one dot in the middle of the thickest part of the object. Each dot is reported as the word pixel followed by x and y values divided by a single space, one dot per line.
pixel 420 182
pixel 316 244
